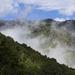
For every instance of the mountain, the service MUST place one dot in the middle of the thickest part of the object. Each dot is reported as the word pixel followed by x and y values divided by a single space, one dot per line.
pixel 62 31
pixel 19 59
pixel 51 38
pixel 68 24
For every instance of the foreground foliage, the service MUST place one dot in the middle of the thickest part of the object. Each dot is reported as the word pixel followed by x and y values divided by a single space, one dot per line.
pixel 18 59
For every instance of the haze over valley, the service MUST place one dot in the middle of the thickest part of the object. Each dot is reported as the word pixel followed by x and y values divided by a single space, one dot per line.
pixel 52 38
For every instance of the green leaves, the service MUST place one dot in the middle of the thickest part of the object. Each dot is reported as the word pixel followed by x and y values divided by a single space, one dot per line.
pixel 18 59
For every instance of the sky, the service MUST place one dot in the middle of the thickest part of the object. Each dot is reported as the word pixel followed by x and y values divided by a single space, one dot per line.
pixel 37 9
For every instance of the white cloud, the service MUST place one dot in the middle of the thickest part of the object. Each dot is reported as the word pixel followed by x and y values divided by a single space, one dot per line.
pixel 24 13
pixel 7 6
pixel 12 6
pixel 65 7
pixel 60 19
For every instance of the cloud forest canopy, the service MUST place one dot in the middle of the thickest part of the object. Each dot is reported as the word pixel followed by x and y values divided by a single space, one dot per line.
pixel 19 59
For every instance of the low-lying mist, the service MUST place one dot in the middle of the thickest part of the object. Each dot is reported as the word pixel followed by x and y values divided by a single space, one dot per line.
pixel 47 37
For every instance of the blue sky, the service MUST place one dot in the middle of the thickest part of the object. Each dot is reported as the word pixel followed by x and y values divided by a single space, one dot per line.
pixel 37 9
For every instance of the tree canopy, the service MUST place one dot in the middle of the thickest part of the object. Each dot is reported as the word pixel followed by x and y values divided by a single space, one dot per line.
pixel 19 59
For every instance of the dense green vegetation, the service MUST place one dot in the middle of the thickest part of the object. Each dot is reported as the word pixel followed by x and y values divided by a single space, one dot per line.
pixel 18 59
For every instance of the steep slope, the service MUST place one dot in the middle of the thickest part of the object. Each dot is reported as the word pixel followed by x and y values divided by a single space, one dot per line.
pixel 18 59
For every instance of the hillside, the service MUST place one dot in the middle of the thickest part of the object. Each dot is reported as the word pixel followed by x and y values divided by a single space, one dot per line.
pixel 19 59
pixel 52 38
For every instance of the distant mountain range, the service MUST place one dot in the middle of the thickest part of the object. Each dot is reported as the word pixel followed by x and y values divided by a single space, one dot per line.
pixel 69 24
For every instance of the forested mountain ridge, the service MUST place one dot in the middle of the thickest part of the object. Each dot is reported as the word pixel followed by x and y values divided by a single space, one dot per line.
pixel 18 59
